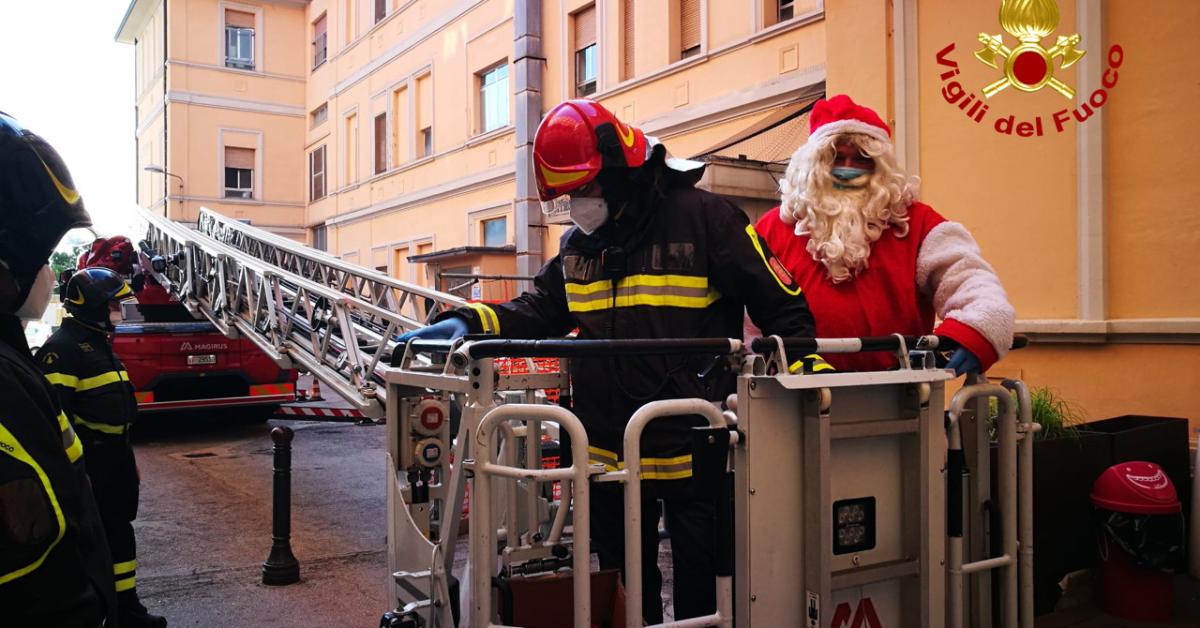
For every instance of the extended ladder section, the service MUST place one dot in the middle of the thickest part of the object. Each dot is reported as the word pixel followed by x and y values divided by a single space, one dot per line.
pixel 302 307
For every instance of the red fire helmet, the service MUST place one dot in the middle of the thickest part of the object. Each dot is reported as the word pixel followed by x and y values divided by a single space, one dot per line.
pixel 576 140
pixel 115 253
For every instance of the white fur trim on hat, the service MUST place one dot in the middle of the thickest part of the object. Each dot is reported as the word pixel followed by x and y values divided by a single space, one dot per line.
pixel 849 126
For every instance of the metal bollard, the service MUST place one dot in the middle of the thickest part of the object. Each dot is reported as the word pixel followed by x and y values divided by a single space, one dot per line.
pixel 281 566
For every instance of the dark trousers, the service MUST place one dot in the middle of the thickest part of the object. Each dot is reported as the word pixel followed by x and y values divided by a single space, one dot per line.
pixel 691 522
pixel 113 471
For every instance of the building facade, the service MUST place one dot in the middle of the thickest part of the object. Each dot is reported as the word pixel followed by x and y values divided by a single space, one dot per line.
pixel 220 109
pixel 418 116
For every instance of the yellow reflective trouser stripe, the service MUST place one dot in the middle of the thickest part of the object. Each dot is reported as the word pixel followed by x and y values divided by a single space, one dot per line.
pixel 487 318
pixel 653 290
pixel 71 442
pixel 10 446
pixel 675 468
pixel 125 567
pixel 125 584
pixel 762 254
pixel 100 427
pixel 819 364
pixel 87 383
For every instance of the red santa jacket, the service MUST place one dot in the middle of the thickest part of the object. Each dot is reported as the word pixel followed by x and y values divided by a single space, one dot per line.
pixel 935 271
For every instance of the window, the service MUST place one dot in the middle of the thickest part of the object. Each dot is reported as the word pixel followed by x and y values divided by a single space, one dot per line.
pixel 425 116
pixel 585 52
pixel 689 28
pixel 319 42
pixel 495 231
pixel 380 143
pixel 493 98
pixel 239 172
pixel 380 10
pixel 350 150
pixel 627 40
pixel 239 40
pixel 316 177
pixel 787 9
pixel 400 137
pixel 320 237
pixel 318 116
pixel 348 20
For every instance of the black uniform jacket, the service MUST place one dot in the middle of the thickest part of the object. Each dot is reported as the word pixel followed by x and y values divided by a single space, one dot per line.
pixel 56 572
pixel 683 268
pixel 91 381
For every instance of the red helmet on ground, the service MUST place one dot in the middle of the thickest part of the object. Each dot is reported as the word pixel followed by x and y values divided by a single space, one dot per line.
pixel 576 140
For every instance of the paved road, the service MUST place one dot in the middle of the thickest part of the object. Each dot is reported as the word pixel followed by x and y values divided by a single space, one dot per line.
pixel 204 527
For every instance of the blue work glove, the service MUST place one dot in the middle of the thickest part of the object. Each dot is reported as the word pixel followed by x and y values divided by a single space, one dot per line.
pixel 963 361
pixel 448 329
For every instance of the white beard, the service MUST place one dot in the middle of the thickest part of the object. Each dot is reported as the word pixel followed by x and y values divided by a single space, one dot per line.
pixel 840 234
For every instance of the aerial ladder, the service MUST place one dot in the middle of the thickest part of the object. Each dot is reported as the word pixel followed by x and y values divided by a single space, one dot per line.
pixel 848 509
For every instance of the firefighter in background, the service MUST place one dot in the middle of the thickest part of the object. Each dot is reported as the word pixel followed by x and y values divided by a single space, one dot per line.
pixel 98 398
pixel 873 259
pixel 650 256
pixel 55 568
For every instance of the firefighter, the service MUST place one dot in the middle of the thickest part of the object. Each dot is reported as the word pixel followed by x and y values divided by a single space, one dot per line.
pixel 650 256
pixel 98 398
pixel 55 568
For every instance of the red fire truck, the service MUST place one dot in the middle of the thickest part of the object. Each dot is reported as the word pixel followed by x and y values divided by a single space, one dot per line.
pixel 177 362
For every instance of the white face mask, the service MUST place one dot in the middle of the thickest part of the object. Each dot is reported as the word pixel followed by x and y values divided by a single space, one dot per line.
pixel 39 296
pixel 588 213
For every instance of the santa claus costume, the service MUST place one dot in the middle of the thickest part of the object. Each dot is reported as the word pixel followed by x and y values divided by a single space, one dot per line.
pixel 871 259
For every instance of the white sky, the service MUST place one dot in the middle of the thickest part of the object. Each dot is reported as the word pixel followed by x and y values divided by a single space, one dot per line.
pixel 64 77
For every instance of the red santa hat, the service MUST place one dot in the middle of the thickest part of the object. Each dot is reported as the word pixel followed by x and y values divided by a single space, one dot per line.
pixel 841 115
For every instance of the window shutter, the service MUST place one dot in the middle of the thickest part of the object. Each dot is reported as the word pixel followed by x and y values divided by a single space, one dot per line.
pixel 380 143
pixel 585 28
pixel 239 19
pixel 689 24
pixel 319 28
pixel 425 102
pixel 627 44
pixel 239 158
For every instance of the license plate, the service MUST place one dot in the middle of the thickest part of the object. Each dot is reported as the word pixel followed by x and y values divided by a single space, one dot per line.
pixel 199 360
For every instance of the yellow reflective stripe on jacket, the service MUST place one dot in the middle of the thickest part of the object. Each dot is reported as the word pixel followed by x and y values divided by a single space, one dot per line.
pixel 819 364
pixel 100 427
pixel 10 446
pixel 487 318
pixel 125 567
pixel 87 383
pixel 763 255
pixel 675 468
pixel 684 291
pixel 125 574
pixel 71 442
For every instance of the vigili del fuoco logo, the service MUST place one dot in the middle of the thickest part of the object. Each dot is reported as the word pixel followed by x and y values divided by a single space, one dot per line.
pixel 1027 67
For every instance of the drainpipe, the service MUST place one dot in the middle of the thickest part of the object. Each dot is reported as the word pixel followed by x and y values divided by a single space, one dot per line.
pixel 166 110
pixel 528 66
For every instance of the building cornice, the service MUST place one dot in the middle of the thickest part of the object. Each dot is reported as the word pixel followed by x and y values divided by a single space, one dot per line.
pixel 1182 330
pixel 134 22
pixel 236 104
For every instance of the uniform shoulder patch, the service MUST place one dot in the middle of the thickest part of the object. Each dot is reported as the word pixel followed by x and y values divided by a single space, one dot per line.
pixel 781 273
pixel 50 358
pixel 86 347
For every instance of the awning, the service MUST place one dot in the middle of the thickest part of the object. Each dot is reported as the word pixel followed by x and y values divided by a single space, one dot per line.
pixel 458 252
pixel 772 139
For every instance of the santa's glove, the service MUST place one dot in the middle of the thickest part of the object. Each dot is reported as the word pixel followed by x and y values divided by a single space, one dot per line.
pixel 963 361
pixel 449 329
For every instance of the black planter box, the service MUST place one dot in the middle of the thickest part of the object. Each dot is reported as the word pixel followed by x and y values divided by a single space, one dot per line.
pixel 1063 473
